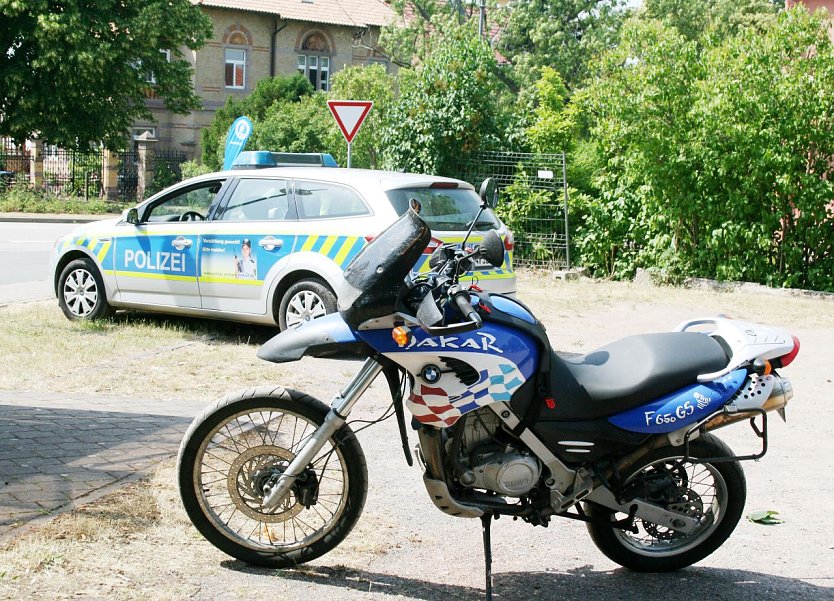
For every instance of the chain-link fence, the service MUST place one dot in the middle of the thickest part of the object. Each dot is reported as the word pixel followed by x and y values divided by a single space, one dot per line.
pixel 533 202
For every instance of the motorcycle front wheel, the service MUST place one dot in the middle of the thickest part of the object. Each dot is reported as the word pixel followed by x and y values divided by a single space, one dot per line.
pixel 714 493
pixel 245 441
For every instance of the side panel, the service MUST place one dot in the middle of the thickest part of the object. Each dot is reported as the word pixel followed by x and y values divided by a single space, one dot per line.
pixel 679 409
pixel 236 259
pixel 454 375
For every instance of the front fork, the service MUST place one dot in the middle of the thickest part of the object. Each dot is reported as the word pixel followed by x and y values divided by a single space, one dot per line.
pixel 340 408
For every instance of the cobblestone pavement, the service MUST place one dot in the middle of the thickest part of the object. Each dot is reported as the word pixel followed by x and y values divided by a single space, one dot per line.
pixel 57 450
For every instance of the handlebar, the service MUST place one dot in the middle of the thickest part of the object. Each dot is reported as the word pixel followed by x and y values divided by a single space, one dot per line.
pixel 461 300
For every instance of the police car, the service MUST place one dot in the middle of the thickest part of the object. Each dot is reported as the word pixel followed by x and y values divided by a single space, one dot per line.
pixel 264 246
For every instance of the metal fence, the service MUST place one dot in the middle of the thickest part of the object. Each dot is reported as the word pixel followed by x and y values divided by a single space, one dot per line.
pixel 128 174
pixel 166 166
pixel 534 202
pixel 72 172
pixel 14 162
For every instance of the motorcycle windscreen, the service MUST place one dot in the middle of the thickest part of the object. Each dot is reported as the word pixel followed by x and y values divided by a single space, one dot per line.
pixel 375 277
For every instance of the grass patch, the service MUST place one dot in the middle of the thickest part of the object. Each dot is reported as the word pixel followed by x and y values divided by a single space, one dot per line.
pixel 20 199
pixel 140 355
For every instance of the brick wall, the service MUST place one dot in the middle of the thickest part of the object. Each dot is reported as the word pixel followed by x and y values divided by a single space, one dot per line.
pixel 182 132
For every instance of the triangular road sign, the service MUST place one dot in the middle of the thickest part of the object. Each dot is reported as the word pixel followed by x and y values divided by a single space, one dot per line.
pixel 349 115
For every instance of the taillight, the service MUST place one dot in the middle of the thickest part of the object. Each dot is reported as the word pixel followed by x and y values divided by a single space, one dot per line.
pixel 786 360
pixel 433 245
pixel 444 185
pixel 509 241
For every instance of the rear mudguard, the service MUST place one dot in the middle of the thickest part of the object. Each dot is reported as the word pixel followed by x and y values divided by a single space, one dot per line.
pixel 322 337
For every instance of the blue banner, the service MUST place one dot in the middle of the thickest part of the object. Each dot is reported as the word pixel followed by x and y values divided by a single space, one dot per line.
pixel 236 139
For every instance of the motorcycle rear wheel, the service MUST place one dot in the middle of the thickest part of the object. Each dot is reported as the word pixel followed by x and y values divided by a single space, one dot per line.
pixel 713 492
pixel 235 446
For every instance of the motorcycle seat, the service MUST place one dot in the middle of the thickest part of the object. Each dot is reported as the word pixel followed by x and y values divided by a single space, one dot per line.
pixel 630 372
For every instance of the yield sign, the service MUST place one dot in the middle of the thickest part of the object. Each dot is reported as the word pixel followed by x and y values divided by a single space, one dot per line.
pixel 349 115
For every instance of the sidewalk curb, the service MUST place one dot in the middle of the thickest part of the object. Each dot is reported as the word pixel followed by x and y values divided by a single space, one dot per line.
pixel 52 218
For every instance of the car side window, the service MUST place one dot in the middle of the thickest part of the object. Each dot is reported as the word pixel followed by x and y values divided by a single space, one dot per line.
pixel 323 200
pixel 192 204
pixel 259 200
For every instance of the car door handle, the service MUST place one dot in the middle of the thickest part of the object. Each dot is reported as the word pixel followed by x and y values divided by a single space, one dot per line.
pixel 179 243
pixel 270 243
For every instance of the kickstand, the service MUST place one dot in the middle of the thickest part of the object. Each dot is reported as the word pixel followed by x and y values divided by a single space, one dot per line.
pixel 486 520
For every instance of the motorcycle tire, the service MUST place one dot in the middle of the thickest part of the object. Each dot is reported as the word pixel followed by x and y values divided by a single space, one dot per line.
pixel 715 491
pixel 241 442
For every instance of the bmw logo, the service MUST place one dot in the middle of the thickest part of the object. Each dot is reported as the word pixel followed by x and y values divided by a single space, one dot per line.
pixel 430 373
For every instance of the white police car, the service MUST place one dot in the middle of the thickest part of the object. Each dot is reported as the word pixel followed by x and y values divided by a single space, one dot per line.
pixel 262 246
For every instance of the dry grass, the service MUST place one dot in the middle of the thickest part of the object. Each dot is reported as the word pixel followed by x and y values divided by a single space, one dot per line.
pixel 148 356
pixel 133 544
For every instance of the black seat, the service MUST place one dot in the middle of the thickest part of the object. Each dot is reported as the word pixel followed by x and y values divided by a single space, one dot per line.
pixel 630 372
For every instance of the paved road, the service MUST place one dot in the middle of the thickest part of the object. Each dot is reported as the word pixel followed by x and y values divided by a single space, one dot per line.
pixel 24 259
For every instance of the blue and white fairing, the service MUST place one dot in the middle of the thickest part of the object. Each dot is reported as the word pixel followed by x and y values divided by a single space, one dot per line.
pixel 681 408
pixel 454 375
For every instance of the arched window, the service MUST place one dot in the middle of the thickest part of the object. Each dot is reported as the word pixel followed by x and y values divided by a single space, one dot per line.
pixel 236 45
pixel 314 55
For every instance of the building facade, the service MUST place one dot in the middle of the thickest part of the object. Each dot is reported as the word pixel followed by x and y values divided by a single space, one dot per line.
pixel 255 39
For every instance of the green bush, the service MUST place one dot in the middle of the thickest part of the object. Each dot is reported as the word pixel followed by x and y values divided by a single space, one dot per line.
pixel 20 199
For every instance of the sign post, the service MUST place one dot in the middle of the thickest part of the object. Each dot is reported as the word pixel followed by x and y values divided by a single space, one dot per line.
pixel 236 139
pixel 349 115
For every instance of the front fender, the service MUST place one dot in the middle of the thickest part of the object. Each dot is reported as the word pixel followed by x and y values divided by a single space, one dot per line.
pixel 322 337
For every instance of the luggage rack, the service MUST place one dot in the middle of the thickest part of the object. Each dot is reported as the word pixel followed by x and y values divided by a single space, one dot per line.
pixel 736 413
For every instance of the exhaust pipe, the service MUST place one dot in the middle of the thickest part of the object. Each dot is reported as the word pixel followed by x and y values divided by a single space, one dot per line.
pixel 780 395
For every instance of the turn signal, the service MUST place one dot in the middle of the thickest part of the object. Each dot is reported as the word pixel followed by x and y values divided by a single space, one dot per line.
pixel 401 335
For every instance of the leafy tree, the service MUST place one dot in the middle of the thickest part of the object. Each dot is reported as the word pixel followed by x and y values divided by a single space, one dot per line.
pixel 364 83
pixel 447 106
pixel 77 72
pixel 302 126
pixel 563 34
pixel 255 106
pixel 409 39
pixel 555 125
pixel 717 18
pixel 716 162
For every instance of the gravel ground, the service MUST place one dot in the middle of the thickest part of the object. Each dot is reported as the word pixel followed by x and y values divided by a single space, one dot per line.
pixel 404 548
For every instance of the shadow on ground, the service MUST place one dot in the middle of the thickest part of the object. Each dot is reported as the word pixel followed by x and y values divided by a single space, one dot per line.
pixel 580 584
pixel 221 331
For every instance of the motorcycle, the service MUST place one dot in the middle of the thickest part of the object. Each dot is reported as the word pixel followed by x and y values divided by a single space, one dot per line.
pixel 620 438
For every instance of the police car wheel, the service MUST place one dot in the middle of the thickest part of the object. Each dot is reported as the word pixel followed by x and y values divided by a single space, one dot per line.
pixel 303 301
pixel 81 293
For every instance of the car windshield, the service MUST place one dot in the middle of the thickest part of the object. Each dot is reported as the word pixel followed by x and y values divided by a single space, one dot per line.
pixel 445 209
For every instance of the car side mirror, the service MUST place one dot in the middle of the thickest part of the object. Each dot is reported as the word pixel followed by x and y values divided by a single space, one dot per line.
pixel 492 249
pixel 132 216
pixel 489 193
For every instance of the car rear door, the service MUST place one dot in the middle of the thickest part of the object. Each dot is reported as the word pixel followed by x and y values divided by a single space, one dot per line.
pixel 245 244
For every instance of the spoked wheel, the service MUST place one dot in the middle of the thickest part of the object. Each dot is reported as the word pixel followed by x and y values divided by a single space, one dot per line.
pixel 236 449
pixel 713 493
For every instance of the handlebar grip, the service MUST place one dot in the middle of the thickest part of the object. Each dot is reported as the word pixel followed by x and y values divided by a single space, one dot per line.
pixel 465 307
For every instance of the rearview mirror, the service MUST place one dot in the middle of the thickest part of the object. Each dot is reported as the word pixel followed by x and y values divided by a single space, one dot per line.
pixel 132 216
pixel 492 249
pixel 489 193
